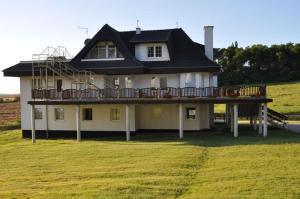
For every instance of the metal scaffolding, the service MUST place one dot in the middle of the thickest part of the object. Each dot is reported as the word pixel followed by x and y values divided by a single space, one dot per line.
pixel 54 64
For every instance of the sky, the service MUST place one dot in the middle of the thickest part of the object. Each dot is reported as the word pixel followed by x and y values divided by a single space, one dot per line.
pixel 28 27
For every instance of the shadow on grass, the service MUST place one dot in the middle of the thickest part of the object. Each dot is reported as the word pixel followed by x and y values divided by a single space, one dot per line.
pixel 211 138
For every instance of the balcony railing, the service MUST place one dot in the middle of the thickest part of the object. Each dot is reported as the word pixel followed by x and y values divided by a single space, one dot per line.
pixel 169 92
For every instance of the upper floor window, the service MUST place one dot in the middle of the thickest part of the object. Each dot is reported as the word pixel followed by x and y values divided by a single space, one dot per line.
pixel 104 50
pixel 154 51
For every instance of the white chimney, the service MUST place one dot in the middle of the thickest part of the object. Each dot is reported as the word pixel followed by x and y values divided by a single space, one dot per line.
pixel 208 42
pixel 138 30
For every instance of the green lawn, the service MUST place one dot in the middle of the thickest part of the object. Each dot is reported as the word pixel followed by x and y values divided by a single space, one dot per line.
pixel 206 165
pixel 286 98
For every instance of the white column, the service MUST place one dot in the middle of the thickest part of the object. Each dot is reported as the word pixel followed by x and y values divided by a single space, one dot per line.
pixel 47 122
pixel 259 119
pixel 180 122
pixel 265 120
pixel 78 123
pixel 231 118
pixel 32 124
pixel 127 115
pixel 236 130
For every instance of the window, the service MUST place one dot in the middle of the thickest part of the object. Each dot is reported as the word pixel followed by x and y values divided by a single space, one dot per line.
pixel 59 114
pixel 59 85
pixel 116 82
pixel 104 50
pixel 190 113
pixel 163 82
pixel 189 80
pixel 158 51
pixel 154 51
pixel 151 51
pixel 156 112
pixel 87 114
pixel 38 114
pixel 115 114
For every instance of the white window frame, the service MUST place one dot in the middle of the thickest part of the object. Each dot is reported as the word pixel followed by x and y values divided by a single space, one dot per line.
pixel 154 51
pixel 35 115
pixel 110 114
pixel 63 111
pixel 186 113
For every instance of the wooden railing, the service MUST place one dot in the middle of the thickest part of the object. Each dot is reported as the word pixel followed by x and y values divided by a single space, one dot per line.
pixel 169 92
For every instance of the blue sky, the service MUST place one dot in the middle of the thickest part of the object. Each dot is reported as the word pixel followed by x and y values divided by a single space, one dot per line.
pixel 27 27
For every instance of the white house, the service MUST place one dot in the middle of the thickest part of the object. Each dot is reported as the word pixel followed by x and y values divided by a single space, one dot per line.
pixel 128 82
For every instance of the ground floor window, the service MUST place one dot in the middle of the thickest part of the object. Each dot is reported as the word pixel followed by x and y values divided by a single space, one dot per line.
pixel 190 113
pixel 87 114
pixel 156 112
pixel 115 114
pixel 59 114
pixel 38 114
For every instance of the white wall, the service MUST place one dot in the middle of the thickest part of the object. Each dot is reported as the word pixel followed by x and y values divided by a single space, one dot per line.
pixel 141 52
pixel 170 117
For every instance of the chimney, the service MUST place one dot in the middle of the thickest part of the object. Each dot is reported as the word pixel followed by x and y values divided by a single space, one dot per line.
pixel 138 30
pixel 208 42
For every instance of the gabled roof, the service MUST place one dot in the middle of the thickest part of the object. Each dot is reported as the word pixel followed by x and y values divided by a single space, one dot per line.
pixel 185 55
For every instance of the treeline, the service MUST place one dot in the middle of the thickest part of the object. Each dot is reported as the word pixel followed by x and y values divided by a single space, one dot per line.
pixel 259 64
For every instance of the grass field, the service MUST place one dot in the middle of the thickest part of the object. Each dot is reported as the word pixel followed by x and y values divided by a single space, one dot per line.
pixel 206 165
pixel 286 98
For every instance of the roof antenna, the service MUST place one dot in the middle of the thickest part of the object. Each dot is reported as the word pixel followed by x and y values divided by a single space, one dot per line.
pixel 86 31
pixel 138 29
pixel 177 24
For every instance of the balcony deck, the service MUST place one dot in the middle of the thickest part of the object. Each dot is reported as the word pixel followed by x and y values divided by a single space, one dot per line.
pixel 169 95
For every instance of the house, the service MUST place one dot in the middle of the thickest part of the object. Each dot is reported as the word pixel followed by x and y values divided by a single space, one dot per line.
pixel 129 81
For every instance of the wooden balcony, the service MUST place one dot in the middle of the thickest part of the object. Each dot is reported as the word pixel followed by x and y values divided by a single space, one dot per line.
pixel 150 93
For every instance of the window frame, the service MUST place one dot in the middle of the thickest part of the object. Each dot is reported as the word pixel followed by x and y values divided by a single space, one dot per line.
pixel 35 114
pixel 111 116
pixel 154 49
pixel 55 114
pixel 153 116
pixel 84 118
pixel 188 116
pixel 106 46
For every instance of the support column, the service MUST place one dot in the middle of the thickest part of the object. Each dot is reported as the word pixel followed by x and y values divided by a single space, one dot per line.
pixel 231 118
pixel 211 114
pixel 265 120
pixel 47 122
pixel 127 122
pixel 78 123
pixel 236 130
pixel 260 119
pixel 32 124
pixel 180 121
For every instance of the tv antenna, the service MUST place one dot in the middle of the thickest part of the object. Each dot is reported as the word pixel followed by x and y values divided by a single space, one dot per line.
pixel 86 30
pixel 137 23
pixel 177 24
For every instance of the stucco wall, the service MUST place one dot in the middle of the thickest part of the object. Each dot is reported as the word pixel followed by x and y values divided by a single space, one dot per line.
pixel 141 52
pixel 170 117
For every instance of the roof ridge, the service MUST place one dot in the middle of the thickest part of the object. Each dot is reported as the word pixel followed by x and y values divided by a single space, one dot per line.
pixel 167 29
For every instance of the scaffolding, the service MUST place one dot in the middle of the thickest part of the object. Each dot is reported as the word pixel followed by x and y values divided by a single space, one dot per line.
pixel 54 64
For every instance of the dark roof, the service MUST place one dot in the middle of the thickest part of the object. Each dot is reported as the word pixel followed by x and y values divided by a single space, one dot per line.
pixel 151 36
pixel 185 55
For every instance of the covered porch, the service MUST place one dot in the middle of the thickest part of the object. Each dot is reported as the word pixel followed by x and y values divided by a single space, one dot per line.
pixel 130 104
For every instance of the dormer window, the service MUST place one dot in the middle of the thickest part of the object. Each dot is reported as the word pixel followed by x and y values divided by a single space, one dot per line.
pixel 104 50
pixel 154 51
